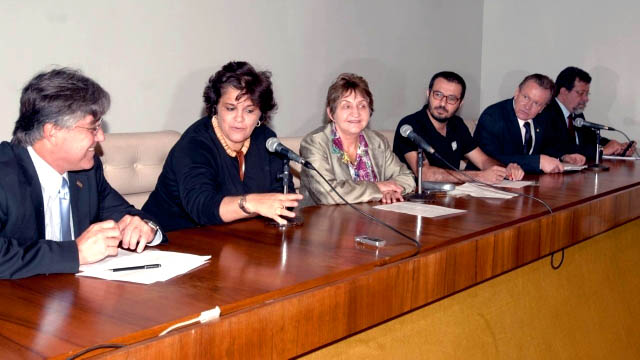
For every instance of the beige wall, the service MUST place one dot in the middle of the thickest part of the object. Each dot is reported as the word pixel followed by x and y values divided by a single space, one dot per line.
pixel 154 56
pixel 546 36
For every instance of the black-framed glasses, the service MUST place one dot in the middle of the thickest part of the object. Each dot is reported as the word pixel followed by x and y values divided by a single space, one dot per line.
pixel 582 93
pixel 451 99
pixel 93 129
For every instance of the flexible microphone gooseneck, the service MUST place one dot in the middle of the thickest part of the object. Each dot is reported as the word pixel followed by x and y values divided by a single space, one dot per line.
pixel 580 122
pixel 407 131
pixel 274 145
pixel 370 217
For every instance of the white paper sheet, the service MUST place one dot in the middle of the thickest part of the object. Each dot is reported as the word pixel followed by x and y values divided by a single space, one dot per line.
pixel 479 190
pixel 419 209
pixel 171 264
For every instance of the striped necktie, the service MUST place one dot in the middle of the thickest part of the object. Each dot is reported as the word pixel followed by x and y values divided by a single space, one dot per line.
pixel 65 212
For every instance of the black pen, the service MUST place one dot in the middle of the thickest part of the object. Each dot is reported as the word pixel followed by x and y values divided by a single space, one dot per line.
pixel 140 267
pixel 629 145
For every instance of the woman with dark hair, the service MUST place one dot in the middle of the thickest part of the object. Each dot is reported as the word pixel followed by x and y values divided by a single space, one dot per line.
pixel 356 160
pixel 220 170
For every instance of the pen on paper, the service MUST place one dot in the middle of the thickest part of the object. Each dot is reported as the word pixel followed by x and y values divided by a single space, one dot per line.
pixel 140 267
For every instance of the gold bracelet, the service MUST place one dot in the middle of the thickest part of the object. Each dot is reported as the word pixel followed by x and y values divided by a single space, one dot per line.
pixel 242 205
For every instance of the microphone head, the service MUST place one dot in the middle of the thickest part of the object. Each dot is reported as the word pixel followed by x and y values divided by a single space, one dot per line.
pixel 272 142
pixel 405 130
pixel 578 122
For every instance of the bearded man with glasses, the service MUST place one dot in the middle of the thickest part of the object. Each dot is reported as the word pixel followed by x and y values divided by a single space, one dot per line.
pixel 438 124
pixel 570 99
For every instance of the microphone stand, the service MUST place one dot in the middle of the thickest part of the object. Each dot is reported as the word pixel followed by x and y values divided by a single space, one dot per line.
pixel 420 164
pixel 597 166
pixel 419 196
pixel 297 220
pixel 285 176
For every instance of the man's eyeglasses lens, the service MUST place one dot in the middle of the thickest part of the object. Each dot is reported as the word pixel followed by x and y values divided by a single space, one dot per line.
pixel 94 129
pixel 451 99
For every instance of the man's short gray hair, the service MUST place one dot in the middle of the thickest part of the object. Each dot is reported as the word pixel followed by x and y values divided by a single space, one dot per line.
pixel 60 96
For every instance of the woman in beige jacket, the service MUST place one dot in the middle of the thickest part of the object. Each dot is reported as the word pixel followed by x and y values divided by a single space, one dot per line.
pixel 357 161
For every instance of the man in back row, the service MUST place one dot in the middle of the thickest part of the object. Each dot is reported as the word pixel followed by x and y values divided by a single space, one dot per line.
pixel 570 99
pixel 57 210
pixel 447 133
pixel 509 130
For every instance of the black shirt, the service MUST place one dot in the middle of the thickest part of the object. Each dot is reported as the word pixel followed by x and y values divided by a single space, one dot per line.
pixel 198 174
pixel 452 148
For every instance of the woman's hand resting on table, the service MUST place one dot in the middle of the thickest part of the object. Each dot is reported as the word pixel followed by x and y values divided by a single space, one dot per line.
pixel 273 206
pixel 391 191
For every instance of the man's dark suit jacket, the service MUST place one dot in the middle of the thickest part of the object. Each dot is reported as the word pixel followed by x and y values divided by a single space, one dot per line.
pixel 498 135
pixel 24 251
pixel 586 137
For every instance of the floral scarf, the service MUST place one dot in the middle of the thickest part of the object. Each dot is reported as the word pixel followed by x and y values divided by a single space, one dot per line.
pixel 362 168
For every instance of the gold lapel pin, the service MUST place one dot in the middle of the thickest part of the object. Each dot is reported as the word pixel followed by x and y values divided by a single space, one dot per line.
pixel 79 184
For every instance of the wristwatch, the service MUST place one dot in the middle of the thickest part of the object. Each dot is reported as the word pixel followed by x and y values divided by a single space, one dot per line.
pixel 153 225
pixel 242 205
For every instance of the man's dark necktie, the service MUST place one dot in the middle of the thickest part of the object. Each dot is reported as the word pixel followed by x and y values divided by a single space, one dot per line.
pixel 571 128
pixel 528 140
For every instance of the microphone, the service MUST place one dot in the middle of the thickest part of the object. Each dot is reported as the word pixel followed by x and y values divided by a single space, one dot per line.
pixel 407 131
pixel 275 146
pixel 580 122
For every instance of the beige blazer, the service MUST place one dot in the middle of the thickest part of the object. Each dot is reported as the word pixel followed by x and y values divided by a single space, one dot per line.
pixel 316 148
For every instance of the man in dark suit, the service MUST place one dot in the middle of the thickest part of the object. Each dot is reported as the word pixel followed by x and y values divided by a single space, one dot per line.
pixel 509 130
pixel 57 210
pixel 570 99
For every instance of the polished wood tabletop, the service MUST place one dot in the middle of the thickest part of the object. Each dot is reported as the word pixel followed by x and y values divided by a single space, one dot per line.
pixel 254 263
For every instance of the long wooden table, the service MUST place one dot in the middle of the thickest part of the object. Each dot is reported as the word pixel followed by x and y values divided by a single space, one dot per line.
pixel 286 292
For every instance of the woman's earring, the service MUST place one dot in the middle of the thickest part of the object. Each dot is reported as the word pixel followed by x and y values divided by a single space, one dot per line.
pixel 259 123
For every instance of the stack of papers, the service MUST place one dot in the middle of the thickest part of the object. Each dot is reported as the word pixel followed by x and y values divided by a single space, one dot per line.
pixel 479 190
pixel 170 264
pixel 571 167
pixel 419 209
pixel 514 184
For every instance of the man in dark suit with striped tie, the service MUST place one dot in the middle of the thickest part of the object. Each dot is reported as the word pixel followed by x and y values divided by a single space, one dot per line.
pixel 57 210
pixel 510 131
